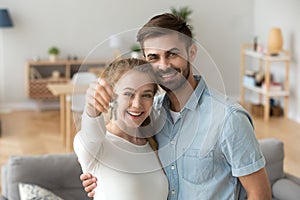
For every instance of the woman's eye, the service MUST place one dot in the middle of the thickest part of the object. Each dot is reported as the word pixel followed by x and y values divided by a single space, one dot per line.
pixel 148 95
pixel 129 94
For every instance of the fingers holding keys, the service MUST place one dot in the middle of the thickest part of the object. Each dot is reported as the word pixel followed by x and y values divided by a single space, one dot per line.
pixel 98 96
pixel 104 93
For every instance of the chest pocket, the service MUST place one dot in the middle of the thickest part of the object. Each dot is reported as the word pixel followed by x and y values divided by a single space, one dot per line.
pixel 197 169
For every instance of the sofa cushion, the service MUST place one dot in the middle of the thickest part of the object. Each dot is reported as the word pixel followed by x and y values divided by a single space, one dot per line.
pixel 272 150
pixel 286 189
pixel 31 192
pixel 58 173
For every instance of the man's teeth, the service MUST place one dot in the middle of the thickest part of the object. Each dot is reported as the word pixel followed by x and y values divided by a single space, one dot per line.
pixel 168 75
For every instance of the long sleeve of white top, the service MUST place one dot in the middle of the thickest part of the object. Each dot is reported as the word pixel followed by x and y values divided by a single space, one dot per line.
pixel 88 141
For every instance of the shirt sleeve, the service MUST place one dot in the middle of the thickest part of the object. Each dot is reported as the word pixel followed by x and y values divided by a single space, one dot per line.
pixel 239 144
pixel 88 141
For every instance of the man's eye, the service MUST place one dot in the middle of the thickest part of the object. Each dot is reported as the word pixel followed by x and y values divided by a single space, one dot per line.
pixel 152 58
pixel 172 54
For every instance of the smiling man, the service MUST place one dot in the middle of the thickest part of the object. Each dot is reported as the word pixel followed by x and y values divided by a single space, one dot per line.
pixel 207 144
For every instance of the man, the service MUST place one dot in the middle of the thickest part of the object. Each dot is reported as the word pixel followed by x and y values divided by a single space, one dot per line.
pixel 207 144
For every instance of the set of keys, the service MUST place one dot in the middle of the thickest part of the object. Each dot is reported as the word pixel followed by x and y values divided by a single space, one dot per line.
pixel 113 105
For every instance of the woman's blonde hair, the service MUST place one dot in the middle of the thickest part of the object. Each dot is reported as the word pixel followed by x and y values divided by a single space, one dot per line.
pixel 117 68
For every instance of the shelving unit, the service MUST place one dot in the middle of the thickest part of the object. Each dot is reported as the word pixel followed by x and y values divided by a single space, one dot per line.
pixel 39 74
pixel 265 61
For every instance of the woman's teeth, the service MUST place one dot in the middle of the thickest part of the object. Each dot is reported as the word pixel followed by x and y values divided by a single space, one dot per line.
pixel 135 114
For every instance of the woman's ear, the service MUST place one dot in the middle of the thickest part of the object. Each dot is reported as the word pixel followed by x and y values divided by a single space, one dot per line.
pixel 193 52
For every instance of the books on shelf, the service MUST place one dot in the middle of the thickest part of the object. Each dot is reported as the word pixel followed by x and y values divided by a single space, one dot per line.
pixel 274 86
pixel 249 81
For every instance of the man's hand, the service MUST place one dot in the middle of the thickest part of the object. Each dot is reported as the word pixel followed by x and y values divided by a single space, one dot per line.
pixel 89 183
pixel 98 96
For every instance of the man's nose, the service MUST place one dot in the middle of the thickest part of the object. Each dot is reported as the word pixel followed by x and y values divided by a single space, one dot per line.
pixel 163 64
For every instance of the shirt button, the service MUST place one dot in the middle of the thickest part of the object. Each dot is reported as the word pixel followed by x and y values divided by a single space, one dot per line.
pixel 173 192
pixel 173 142
pixel 172 167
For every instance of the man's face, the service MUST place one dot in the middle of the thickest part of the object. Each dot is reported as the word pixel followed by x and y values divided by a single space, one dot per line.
pixel 170 59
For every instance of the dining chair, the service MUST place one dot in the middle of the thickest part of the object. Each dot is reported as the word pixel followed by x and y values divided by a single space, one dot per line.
pixel 78 100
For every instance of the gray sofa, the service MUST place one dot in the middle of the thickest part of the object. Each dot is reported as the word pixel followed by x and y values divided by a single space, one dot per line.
pixel 284 186
pixel 57 173
pixel 60 174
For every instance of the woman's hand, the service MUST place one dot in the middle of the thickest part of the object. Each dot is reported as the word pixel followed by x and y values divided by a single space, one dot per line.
pixel 98 96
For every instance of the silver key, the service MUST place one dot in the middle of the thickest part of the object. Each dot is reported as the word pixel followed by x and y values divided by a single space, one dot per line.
pixel 113 105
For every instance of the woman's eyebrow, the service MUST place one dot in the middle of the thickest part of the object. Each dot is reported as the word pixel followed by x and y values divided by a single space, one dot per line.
pixel 131 89
pixel 127 88
pixel 148 91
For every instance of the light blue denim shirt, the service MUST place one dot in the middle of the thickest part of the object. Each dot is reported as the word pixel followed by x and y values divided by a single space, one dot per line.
pixel 211 144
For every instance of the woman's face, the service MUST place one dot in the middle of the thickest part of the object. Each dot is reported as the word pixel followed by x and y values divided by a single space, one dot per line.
pixel 135 91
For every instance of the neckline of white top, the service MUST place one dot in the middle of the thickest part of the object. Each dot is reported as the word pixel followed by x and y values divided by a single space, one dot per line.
pixel 109 134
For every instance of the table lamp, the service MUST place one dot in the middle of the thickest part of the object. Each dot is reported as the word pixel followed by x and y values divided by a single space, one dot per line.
pixel 5 20
pixel 115 43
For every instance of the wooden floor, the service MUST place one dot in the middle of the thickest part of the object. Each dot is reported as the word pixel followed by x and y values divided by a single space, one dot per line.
pixel 30 132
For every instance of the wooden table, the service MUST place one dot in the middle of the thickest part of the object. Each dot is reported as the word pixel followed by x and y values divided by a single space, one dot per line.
pixel 64 91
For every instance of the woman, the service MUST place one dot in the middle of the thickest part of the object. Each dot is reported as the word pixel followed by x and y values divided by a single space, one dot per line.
pixel 119 152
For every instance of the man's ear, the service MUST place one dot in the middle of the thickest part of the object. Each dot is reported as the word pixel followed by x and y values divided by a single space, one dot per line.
pixel 193 52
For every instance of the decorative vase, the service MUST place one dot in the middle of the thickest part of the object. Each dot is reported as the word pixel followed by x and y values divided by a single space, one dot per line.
pixel 275 41
pixel 52 57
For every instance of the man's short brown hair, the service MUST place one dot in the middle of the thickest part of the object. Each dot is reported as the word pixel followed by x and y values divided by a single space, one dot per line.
pixel 165 24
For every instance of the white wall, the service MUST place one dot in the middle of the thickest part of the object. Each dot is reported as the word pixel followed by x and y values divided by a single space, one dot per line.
pixel 286 15
pixel 76 26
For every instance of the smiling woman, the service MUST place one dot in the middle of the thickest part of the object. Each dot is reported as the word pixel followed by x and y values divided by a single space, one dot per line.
pixel 119 151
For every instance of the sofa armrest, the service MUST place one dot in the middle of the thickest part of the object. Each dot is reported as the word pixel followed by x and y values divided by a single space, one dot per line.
pixel 57 173
pixel 272 150
pixel 292 178
pixel 3 198
pixel 286 189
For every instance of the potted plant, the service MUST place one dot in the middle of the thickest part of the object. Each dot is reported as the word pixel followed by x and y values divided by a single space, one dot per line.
pixel 53 53
pixel 135 51
pixel 183 12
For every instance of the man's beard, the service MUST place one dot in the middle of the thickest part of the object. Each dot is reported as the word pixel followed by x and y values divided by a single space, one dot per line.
pixel 176 83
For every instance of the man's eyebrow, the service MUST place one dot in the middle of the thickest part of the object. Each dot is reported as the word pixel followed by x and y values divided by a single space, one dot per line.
pixel 173 49
pixel 167 51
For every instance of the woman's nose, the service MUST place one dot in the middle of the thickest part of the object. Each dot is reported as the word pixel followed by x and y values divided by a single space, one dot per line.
pixel 136 102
